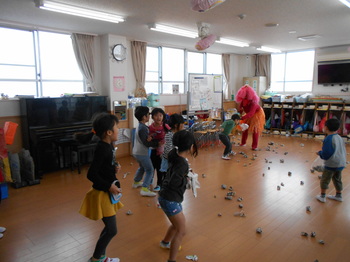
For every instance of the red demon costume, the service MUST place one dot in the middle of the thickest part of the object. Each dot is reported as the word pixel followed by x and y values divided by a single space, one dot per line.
pixel 254 115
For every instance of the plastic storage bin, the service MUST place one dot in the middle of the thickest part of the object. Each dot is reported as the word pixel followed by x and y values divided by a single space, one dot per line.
pixel 278 98
pixel 153 100
pixel 4 191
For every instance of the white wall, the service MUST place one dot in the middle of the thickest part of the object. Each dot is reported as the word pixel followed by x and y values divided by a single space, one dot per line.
pixel 9 107
pixel 111 68
pixel 180 99
pixel 241 66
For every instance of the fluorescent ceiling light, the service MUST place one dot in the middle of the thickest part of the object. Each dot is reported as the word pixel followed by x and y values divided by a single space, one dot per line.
pixel 308 37
pixel 268 49
pixel 173 30
pixel 78 11
pixel 226 41
pixel 345 2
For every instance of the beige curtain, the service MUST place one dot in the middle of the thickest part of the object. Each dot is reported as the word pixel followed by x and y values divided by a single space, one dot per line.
pixel 226 65
pixel 83 46
pixel 138 54
pixel 263 67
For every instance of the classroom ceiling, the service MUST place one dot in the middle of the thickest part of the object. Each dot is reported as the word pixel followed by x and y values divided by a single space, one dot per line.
pixel 329 19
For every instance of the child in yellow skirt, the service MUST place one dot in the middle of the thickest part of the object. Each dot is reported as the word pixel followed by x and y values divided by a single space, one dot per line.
pixel 97 203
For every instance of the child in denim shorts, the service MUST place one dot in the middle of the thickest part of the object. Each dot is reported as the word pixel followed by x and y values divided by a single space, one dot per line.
pixel 173 188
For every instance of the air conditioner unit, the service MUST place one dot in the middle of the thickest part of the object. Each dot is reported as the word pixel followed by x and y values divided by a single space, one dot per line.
pixel 335 53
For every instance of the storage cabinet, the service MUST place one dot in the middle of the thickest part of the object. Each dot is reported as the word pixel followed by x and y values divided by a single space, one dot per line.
pixel 306 118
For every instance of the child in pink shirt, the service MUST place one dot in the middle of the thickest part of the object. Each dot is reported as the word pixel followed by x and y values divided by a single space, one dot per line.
pixel 157 131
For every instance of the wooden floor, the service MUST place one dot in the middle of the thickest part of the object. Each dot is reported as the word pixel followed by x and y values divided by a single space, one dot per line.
pixel 43 223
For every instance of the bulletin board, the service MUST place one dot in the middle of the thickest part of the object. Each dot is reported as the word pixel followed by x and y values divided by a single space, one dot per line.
pixel 204 92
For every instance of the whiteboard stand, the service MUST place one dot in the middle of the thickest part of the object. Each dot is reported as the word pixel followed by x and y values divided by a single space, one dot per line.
pixel 205 92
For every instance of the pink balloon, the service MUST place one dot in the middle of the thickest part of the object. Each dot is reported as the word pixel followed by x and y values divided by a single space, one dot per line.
pixel 204 5
pixel 205 42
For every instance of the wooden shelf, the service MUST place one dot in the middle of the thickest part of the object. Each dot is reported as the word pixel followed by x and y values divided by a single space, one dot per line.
pixel 303 113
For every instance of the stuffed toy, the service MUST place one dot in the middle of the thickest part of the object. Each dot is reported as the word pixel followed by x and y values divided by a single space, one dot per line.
pixel 207 39
pixel 253 116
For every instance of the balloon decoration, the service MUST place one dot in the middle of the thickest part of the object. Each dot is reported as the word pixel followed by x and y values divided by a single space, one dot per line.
pixel 205 42
pixel 207 39
pixel 204 5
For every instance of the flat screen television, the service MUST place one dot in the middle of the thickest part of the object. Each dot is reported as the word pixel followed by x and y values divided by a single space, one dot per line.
pixel 334 73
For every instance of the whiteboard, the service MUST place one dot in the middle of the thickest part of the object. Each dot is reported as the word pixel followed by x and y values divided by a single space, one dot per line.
pixel 204 92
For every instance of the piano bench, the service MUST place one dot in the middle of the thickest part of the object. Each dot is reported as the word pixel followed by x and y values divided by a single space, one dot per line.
pixel 79 149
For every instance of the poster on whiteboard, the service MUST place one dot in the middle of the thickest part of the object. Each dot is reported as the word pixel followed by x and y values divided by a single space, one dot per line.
pixel 204 92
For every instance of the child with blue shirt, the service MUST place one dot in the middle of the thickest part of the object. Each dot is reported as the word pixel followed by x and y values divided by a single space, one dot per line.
pixel 334 155
pixel 140 151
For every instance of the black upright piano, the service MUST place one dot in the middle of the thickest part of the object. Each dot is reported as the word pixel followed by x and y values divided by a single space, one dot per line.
pixel 46 121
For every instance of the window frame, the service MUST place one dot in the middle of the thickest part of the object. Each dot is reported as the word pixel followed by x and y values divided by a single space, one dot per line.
pixel 284 82
pixel 186 72
pixel 37 66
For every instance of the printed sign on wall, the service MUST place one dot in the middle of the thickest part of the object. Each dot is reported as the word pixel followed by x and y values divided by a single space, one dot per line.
pixel 118 83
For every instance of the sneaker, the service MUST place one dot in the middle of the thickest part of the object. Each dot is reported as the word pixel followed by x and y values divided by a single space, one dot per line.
pixel 146 192
pixel 166 245
pixel 340 199
pixel 232 153
pixel 105 259
pixel 225 157
pixel 110 259
pixel 2 229
pixel 137 184
pixel 156 189
pixel 321 199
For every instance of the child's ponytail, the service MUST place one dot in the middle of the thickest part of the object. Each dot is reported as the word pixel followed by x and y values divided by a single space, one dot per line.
pixel 173 155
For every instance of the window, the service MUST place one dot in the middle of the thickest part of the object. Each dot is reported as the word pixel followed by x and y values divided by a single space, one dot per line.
pixel 292 71
pixel 152 70
pixel 195 63
pixel 17 63
pixel 214 65
pixel 59 69
pixel 166 67
pixel 38 63
pixel 173 69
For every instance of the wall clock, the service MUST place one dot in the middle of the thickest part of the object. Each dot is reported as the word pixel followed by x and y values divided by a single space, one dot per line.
pixel 119 52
